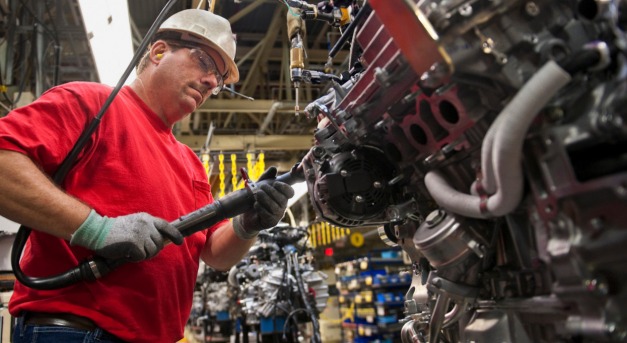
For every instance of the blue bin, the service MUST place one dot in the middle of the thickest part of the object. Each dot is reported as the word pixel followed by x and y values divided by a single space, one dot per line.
pixel 272 324
pixel 222 316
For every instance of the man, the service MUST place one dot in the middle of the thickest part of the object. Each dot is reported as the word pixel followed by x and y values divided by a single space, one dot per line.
pixel 130 180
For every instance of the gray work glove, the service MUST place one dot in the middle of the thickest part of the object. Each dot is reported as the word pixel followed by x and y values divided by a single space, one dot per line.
pixel 134 237
pixel 270 203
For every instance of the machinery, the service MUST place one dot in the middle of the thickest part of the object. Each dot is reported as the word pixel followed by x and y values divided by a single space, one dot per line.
pixel 485 138
pixel 212 305
pixel 278 288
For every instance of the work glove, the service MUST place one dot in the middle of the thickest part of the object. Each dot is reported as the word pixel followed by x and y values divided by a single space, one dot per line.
pixel 270 203
pixel 134 237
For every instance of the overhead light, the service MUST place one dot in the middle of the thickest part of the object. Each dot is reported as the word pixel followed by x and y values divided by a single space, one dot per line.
pixel 109 32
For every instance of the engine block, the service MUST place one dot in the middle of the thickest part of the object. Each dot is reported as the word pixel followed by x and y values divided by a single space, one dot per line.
pixel 488 140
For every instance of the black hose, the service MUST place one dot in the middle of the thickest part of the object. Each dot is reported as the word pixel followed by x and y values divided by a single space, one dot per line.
pixel 83 270
pixel 365 10
pixel 581 60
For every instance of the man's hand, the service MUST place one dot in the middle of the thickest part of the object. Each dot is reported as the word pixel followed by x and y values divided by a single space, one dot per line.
pixel 270 203
pixel 134 237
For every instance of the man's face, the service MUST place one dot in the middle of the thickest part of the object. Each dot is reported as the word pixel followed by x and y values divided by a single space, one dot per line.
pixel 187 75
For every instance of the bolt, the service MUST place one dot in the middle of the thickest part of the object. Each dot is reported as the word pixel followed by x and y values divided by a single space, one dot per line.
pixel 435 217
pixel 318 151
pixel 465 10
pixel 377 185
pixel 610 327
pixel 488 46
pixel 381 75
pixel 548 141
pixel 359 198
pixel 434 76
pixel 343 173
pixel 380 125
pixel 532 9
pixel 531 38
pixel 392 212
pixel 548 209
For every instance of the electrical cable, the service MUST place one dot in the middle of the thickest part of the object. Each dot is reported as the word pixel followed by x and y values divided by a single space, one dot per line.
pixel 314 319
pixel 361 15
pixel 23 77
pixel 57 49
pixel 289 316
pixel 51 33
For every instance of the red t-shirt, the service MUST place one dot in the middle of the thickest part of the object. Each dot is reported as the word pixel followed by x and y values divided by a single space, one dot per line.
pixel 132 163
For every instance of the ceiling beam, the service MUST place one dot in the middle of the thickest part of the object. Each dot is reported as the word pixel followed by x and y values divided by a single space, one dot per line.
pixel 253 78
pixel 249 142
pixel 243 105
pixel 246 10
pixel 317 56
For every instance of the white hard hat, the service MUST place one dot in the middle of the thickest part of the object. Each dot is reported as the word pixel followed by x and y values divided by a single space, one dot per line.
pixel 203 27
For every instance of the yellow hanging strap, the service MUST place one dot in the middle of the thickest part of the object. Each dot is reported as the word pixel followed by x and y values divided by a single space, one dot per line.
pixel 205 163
pixel 249 166
pixel 221 168
pixel 234 172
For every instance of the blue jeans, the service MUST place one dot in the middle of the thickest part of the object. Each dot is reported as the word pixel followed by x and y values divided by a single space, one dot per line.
pixel 56 334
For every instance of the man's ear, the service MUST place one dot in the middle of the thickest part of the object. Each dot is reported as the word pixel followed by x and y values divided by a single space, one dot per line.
pixel 157 50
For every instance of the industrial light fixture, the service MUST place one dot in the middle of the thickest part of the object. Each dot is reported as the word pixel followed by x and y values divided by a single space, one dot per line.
pixel 109 32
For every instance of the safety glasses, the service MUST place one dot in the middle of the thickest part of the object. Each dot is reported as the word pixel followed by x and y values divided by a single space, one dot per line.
pixel 206 64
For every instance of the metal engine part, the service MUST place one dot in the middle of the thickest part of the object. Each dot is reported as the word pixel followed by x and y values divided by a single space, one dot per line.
pixel 489 139
pixel 278 279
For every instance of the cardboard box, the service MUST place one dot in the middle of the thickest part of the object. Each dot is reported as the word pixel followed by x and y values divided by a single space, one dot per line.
pixel 6 325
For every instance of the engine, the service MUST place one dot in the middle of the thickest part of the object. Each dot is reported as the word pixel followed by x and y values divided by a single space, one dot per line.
pixel 487 140
pixel 278 288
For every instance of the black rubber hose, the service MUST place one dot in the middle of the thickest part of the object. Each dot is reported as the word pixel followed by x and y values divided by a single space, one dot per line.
pixel 581 61
pixel 349 30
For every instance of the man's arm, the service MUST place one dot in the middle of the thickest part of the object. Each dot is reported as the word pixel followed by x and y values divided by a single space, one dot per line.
pixel 227 245
pixel 29 197
pixel 224 249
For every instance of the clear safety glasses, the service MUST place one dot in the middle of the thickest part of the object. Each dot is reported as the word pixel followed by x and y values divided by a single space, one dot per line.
pixel 206 64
